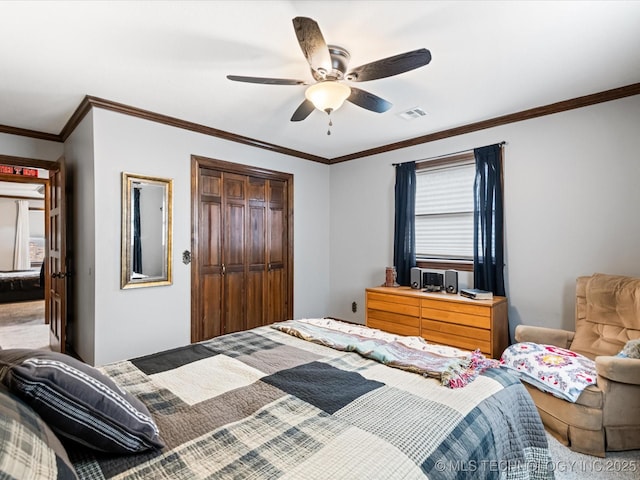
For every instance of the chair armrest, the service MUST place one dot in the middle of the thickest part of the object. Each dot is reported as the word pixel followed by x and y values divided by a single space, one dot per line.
pixel 543 335
pixel 619 369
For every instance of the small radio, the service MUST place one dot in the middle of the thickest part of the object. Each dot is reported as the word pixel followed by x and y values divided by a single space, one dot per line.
pixel 432 281
pixel 429 280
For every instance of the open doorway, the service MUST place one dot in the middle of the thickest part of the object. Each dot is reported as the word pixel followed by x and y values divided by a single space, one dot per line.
pixel 23 240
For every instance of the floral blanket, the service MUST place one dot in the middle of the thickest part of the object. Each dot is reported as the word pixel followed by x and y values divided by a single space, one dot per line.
pixel 562 373
pixel 453 367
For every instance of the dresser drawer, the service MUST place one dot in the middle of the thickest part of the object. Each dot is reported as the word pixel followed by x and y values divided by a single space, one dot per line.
pixel 394 303
pixel 397 326
pixel 469 307
pixel 383 316
pixel 480 334
pixel 464 343
pixel 478 321
pixel 392 298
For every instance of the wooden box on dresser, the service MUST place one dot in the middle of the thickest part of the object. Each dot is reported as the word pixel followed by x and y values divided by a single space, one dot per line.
pixel 442 318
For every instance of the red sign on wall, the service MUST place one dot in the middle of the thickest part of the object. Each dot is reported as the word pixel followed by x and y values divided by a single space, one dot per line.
pixel 25 172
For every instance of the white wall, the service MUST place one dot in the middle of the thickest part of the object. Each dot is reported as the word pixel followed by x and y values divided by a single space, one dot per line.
pixel 571 198
pixel 19 146
pixel 79 156
pixel 139 321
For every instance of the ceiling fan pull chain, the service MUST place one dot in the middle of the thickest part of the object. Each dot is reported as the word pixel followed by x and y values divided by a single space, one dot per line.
pixel 330 122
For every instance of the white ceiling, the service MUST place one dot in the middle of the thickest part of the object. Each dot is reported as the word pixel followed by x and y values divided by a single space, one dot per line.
pixel 172 58
pixel 21 190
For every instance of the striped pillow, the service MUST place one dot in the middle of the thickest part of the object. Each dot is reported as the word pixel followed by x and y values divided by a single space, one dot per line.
pixel 79 402
pixel 28 447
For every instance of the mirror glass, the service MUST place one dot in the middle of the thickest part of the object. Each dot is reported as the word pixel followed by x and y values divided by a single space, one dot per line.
pixel 146 231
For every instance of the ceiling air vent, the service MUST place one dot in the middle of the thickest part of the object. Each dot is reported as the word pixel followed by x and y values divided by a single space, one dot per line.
pixel 413 113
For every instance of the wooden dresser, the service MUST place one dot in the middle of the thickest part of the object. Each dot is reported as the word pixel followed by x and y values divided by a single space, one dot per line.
pixel 442 318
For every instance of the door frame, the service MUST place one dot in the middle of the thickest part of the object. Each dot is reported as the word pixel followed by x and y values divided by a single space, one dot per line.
pixel 45 165
pixel 229 167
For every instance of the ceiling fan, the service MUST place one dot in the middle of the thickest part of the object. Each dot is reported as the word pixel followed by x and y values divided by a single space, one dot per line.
pixel 329 68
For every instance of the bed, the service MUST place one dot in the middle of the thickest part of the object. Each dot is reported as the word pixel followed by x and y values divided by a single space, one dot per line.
pixel 20 285
pixel 266 403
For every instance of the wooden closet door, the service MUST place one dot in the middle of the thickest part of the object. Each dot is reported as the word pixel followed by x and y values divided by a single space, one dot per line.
pixel 278 241
pixel 207 295
pixel 242 251
pixel 234 255
pixel 257 293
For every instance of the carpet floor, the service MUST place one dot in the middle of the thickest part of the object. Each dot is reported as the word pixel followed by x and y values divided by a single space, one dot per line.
pixel 569 465
pixel 22 325
pixel 22 313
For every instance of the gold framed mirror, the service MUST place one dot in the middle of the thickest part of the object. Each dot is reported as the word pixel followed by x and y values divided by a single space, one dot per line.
pixel 146 231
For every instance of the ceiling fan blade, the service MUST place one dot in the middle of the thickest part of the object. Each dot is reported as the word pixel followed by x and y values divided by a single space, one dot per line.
pixel 266 81
pixel 390 66
pixel 303 111
pixel 368 100
pixel 312 43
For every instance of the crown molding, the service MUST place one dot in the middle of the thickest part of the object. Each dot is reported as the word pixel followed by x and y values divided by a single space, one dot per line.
pixel 578 102
pixel 75 118
pixel 23 132
pixel 94 102
pixel 27 162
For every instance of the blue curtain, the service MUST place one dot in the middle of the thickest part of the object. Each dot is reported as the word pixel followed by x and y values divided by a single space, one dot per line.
pixel 404 238
pixel 488 240
pixel 137 244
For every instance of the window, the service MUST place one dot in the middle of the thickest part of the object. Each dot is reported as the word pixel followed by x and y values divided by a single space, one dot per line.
pixel 444 212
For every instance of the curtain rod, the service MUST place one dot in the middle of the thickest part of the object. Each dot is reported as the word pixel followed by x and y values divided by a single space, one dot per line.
pixel 446 155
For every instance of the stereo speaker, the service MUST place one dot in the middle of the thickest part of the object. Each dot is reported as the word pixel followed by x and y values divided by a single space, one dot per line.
pixel 451 281
pixel 416 278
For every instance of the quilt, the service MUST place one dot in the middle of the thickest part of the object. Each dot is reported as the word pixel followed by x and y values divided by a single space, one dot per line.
pixel 561 372
pixel 262 404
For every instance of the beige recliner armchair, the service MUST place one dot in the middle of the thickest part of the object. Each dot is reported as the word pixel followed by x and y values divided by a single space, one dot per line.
pixel 606 416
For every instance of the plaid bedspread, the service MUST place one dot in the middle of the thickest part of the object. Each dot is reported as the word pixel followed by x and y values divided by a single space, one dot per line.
pixel 262 404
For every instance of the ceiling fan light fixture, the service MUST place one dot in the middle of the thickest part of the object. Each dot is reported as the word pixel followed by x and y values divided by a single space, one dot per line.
pixel 327 96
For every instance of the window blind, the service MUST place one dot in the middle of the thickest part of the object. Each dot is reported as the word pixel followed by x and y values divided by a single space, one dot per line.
pixel 444 211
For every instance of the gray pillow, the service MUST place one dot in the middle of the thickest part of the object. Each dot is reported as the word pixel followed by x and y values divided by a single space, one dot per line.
pixel 28 447
pixel 79 402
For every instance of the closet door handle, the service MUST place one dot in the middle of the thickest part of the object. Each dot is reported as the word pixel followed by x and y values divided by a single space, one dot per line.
pixel 224 269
